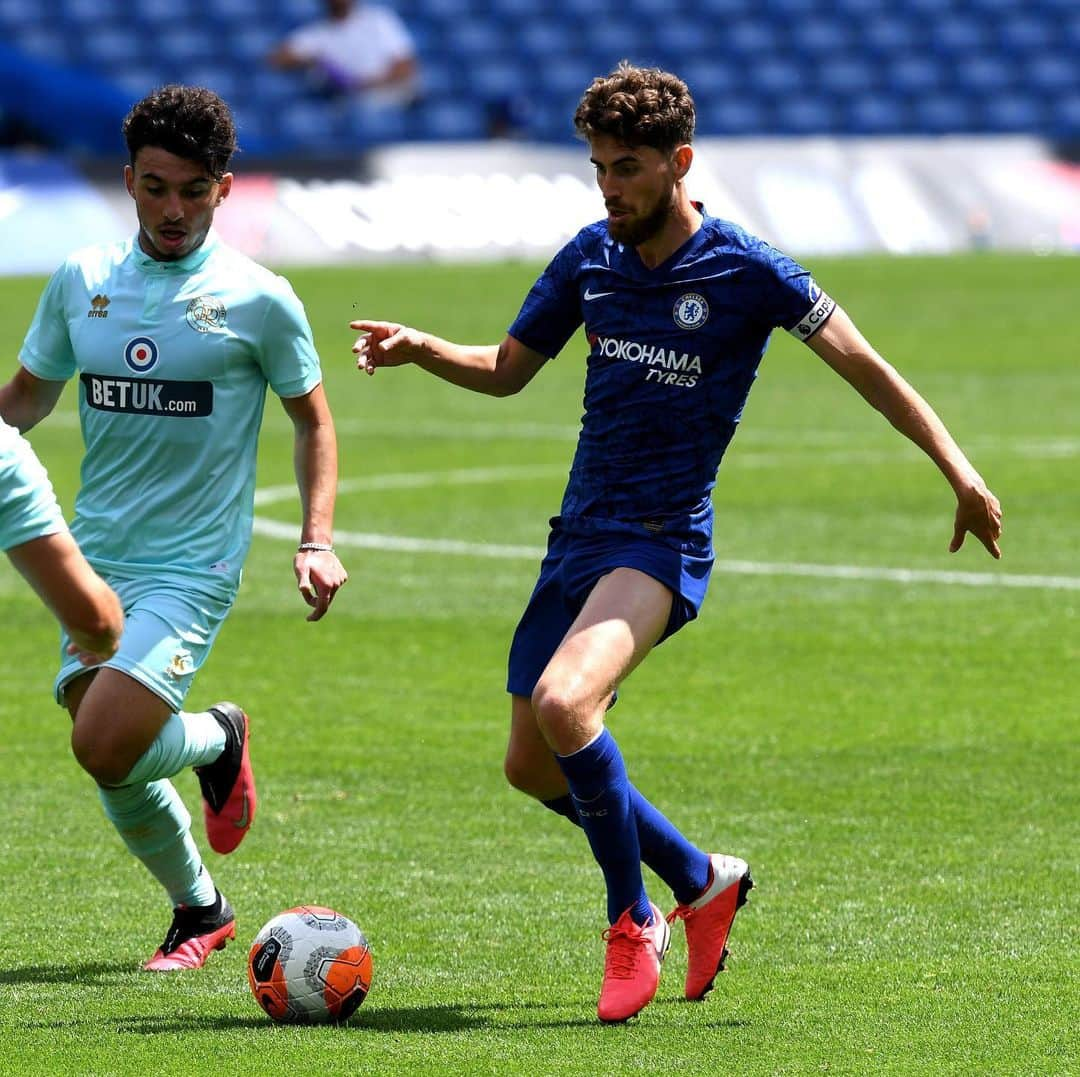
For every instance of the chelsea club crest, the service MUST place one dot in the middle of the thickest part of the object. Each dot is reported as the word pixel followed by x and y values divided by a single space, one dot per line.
pixel 691 311
pixel 206 312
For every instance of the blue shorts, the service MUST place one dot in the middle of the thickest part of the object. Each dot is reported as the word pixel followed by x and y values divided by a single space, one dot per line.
pixel 28 508
pixel 570 570
pixel 168 632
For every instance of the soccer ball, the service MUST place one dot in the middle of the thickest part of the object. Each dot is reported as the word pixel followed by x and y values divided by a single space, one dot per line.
pixel 309 965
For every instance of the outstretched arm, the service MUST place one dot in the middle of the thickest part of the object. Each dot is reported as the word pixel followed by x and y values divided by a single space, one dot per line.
pixel 848 352
pixel 319 573
pixel 83 602
pixel 496 369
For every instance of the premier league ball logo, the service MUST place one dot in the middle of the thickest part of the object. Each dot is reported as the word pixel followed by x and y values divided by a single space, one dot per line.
pixel 691 311
pixel 140 354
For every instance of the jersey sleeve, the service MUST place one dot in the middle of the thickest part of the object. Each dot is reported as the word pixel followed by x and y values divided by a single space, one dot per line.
pixel 47 352
pixel 286 350
pixel 551 313
pixel 794 300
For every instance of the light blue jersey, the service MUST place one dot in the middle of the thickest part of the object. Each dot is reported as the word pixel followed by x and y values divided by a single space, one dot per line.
pixel 28 508
pixel 173 360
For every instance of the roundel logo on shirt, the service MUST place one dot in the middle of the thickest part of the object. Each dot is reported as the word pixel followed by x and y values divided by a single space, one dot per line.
pixel 691 311
pixel 205 312
pixel 141 354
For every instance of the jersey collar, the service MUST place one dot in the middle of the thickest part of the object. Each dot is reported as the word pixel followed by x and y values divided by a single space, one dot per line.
pixel 188 264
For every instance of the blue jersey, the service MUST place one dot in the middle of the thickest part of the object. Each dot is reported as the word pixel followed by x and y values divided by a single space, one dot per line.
pixel 673 353
pixel 173 361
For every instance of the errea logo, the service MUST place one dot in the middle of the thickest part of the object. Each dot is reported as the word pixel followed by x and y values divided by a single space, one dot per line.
pixel 97 307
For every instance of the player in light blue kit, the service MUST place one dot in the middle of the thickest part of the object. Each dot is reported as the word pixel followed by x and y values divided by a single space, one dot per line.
pixel 174 338
pixel 36 539
pixel 678 307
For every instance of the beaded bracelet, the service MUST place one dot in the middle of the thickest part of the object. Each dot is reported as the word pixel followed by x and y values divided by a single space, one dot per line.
pixel 315 547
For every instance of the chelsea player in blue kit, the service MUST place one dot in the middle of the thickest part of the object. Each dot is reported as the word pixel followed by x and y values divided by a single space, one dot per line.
pixel 175 338
pixel 677 307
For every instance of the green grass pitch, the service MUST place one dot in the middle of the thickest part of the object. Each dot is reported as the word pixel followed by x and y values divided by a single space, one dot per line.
pixel 895 756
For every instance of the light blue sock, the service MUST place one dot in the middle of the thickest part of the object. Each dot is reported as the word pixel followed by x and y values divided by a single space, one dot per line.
pixel 186 740
pixel 156 827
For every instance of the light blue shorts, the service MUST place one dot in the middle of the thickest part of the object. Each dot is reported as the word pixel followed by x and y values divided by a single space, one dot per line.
pixel 168 632
pixel 28 508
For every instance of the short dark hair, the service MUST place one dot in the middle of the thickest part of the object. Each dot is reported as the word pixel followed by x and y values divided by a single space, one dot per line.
pixel 188 121
pixel 639 106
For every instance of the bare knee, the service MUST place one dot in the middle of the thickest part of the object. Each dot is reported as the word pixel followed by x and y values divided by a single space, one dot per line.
pixel 567 719
pixel 104 761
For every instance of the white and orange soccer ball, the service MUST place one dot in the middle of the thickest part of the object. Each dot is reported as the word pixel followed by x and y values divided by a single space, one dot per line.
pixel 309 965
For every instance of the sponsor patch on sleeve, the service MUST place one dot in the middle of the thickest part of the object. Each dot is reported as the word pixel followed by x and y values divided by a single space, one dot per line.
pixel 814 318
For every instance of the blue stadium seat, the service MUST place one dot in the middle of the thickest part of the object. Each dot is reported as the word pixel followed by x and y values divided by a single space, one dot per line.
pixel 271 89
pixel 806 115
pixel 727 116
pixel 876 114
pixel 251 44
pixel 48 44
pixel 987 73
pixel 493 78
pixel 137 81
pixel 915 73
pixel 544 39
pixel 888 35
pixel 449 120
pixel 776 77
pixel 1063 116
pixel 307 124
pixel 469 39
pixel 1013 113
pixel 112 46
pixel 1026 33
pixel 944 114
pixel 754 37
pixel 958 34
pixel 848 75
pixel 1056 73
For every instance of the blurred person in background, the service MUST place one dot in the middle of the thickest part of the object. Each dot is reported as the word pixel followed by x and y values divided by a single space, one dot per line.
pixel 36 539
pixel 174 338
pixel 677 307
pixel 362 52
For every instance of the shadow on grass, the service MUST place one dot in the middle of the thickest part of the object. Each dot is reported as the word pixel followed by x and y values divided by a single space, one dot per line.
pixel 390 1019
pixel 91 973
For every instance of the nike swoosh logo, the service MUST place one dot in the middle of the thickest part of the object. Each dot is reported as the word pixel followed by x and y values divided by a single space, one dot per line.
pixel 590 296
pixel 245 818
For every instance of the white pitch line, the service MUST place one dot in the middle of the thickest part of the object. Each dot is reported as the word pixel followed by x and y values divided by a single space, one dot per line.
pixel 269 495
pixel 397 543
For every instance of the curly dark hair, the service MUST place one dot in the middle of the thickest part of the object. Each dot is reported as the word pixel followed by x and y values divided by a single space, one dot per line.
pixel 188 121
pixel 639 106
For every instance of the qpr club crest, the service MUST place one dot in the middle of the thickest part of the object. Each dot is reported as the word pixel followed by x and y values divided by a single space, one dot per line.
pixel 691 311
pixel 140 354
pixel 206 312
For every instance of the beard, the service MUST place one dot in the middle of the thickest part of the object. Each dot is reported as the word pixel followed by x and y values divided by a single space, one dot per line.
pixel 634 232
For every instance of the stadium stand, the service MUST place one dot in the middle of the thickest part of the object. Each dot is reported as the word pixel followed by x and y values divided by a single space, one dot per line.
pixel 760 67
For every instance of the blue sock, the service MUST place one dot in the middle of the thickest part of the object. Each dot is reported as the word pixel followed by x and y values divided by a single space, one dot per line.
pixel 600 791
pixel 155 826
pixel 680 863
pixel 185 740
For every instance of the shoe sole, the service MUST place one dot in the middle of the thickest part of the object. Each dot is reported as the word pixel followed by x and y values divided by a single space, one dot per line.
pixel 746 884
pixel 226 829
